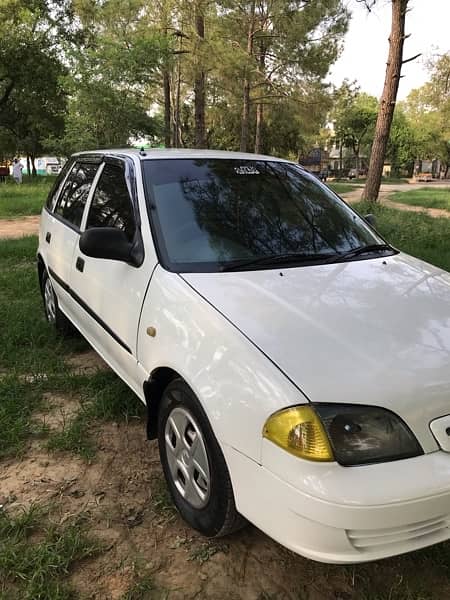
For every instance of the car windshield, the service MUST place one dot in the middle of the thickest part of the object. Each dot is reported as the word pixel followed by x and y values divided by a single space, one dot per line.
pixel 213 214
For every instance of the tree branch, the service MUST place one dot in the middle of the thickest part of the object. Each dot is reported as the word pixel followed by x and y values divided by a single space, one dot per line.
pixel 411 59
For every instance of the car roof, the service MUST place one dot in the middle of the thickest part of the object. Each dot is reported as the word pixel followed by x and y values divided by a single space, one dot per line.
pixel 165 153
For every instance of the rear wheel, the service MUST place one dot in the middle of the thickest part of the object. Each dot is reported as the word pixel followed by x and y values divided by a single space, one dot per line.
pixel 52 312
pixel 193 464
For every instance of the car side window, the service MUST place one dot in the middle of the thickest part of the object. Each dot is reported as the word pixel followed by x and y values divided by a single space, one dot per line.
pixel 56 188
pixel 111 204
pixel 74 195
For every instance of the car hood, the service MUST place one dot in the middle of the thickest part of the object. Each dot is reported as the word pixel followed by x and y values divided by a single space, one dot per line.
pixel 369 331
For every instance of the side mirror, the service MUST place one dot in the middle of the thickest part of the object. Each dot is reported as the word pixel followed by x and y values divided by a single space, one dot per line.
pixel 372 220
pixel 107 242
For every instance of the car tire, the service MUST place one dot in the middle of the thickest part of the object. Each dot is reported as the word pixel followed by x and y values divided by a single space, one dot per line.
pixel 193 464
pixel 52 311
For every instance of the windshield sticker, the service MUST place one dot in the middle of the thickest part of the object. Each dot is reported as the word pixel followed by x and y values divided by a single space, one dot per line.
pixel 246 170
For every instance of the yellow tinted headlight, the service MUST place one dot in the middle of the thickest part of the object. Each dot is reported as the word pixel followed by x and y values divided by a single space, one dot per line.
pixel 298 430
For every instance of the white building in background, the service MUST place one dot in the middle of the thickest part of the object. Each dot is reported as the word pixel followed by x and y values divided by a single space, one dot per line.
pixel 45 165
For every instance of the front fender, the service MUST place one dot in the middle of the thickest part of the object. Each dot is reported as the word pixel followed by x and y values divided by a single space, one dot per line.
pixel 237 385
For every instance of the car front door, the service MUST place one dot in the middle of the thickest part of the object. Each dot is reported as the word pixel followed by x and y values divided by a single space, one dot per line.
pixel 110 293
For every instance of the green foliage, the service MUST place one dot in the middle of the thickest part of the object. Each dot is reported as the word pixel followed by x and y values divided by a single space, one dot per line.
pixel 36 555
pixel 32 99
pixel 403 144
pixel 354 118
pixel 428 109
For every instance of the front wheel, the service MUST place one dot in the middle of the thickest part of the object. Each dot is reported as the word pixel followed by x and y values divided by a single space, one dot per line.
pixel 193 464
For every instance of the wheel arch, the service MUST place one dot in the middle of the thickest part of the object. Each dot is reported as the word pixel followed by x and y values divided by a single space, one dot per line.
pixel 40 269
pixel 153 390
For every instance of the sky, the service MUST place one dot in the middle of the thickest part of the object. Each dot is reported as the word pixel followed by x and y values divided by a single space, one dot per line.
pixel 366 44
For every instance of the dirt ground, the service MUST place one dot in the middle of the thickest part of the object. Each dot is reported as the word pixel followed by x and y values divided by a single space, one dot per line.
pixel 124 497
pixel 121 493
pixel 14 228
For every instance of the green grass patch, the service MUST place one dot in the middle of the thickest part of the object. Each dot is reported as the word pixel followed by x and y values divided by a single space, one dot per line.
pixel 25 199
pixel 342 188
pixel 417 234
pixel 18 402
pixel 33 362
pixel 36 555
pixel 426 197
pixel 27 343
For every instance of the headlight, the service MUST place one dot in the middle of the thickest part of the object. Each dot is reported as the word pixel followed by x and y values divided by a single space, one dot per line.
pixel 299 431
pixel 351 434
pixel 366 434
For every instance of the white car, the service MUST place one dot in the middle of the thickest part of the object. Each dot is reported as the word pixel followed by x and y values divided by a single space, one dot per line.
pixel 295 367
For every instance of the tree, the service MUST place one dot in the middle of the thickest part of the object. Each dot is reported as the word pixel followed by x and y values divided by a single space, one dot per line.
pixel 115 67
pixel 279 47
pixel 388 99
pixel 354 119
pixel 428 112
pixel 32 99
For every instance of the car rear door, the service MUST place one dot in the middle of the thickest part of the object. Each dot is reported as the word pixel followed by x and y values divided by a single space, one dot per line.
pixel 60 226
pixel 110 293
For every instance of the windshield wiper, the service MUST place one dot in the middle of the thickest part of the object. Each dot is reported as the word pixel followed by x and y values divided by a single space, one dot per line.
pixel 276 259
pixel 371 248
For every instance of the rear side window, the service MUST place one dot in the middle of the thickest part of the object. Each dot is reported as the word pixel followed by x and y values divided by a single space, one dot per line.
pixel 111 204
pixel 53 194
pixel 73 198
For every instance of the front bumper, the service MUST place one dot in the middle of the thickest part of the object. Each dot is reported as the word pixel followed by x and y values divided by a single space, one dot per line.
pixel 340 514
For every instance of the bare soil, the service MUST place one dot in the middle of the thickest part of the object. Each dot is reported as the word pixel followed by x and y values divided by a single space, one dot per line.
pixel 16 228
pixel 122 494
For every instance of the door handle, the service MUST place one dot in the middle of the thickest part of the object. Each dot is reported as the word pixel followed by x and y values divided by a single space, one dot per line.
pixel 80 264
pixel 48 237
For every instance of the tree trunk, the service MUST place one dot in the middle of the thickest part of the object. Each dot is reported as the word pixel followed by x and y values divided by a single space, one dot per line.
pixel 33 166
pixel 259 105
pixel 246 89
pixel 388 99
pixel 167 110
pixel 259 125
pixel 199 83
pixel 176 119
pixel 28 165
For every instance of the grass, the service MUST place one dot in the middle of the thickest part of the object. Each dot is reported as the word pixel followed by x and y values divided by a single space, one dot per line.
pixel 36 555
pixel 26 199
pixel 417 234
pixel 426 197
pixel 33 363
pixel 341 188
pixel 103 397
